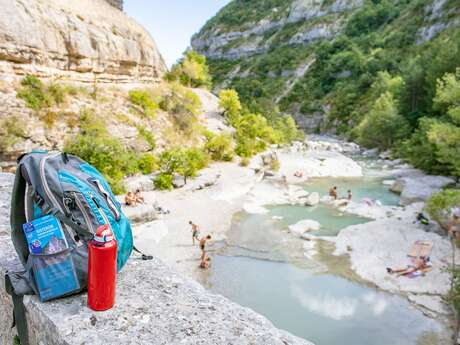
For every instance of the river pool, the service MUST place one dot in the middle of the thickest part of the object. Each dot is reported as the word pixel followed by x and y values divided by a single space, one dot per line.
pixel 264 267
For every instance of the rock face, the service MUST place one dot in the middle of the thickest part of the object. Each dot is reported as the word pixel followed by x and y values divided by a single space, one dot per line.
pixel 6 185
pixel 84 40
pixel 224 42
pixel 116 3
pixel 416 189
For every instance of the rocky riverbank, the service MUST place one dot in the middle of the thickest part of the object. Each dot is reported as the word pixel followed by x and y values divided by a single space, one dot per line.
pixel 226 188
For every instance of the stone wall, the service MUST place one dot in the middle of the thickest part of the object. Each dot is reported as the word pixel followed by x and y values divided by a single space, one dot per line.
pixel 154 305
pixel 116 3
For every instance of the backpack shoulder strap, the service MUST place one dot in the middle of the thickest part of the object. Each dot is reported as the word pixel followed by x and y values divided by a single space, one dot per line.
pixel 18 215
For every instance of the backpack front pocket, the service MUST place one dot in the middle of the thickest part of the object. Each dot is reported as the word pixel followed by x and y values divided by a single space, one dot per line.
pixel 54 274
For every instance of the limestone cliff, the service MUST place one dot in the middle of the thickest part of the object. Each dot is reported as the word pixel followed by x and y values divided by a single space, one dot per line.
pixel 77 40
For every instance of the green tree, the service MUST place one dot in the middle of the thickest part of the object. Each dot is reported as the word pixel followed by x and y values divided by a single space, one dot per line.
pixel 191 71
pixel 383 126
pixel 229 101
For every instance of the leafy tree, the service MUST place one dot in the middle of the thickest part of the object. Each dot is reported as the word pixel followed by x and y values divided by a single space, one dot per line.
pixel 383 126
pixel 229 101
pixel 191 71
pixel 440 204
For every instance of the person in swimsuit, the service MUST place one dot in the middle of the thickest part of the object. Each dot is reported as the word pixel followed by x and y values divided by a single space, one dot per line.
pixel 195 231
pixel 204 264
pixel 350 195
pixel 139 197
pixel 130 199
pixel 419 264
pixel 203 242
pixel 333 193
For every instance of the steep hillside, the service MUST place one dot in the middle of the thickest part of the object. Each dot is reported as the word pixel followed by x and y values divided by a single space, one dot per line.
pixel 75 40
pixel 317 59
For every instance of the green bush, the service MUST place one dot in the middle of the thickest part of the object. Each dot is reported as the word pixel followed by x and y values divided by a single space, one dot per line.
pixel 147 136
pixel 94 144
pixel 184 105
pixel 163 181
pixel 440 204
pixel 185 162
pixel 144 100
pixel 191 71
pixel 37 95
pixel 220 147
pixel 147 163
pixel 12 130
pixel 33 93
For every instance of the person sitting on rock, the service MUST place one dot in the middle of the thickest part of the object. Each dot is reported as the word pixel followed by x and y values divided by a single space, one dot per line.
pixel 420 264
pixel 130 199
pixel 139 197
pixel 203 242
pixel 298 174
pixel 333 192
pixel 204 264
pixel 349 195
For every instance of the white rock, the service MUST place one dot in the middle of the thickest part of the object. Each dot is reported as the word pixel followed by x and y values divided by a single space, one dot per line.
pixel 312 199
pixel 415 189
pixel 304 226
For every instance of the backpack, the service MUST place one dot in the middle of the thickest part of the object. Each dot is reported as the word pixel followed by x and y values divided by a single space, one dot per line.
pixel 80 198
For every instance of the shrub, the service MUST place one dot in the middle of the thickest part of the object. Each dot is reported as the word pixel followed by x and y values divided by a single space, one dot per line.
pixel 147 136
pixel 244 162
pixel 183 104
pixel 12 129
pixel 144 100
pixel 32 91
pixel 440 204
pixel 275 164
pixel 220 147
pixel 185 162
pixel 163 181
pixel 94 144
pixel 147 163
pixel 37 95
pixel 191 71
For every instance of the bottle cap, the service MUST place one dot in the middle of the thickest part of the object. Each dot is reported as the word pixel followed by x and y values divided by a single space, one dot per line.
pixel 103 234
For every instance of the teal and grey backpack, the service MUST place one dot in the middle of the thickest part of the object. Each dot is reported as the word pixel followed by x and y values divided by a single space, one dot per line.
pixel 80 198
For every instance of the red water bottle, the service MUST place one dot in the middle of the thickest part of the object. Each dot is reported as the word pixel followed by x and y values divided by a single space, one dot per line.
pixel 102 269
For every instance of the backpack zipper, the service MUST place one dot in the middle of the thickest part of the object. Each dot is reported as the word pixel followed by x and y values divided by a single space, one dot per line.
pixel 108 199
pixel 84 212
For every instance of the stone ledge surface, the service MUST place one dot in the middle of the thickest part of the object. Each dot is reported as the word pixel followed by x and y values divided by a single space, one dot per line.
pixel 155 305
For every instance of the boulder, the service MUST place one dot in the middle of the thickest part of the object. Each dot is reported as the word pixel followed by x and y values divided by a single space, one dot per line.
pixel 312 199
pixel 416 189
pixel 142 213
pixel 178 181
pixel 303 226
pixel 142 182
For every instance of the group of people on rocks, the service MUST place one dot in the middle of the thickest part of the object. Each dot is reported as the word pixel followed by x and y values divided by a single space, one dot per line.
pixel 134 198
pixel 205 260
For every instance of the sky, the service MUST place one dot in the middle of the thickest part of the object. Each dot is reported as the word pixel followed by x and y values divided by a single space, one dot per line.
pixel 172 22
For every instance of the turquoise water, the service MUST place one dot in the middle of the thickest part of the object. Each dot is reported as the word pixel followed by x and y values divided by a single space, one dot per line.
pixel 325 309
pixel 372 188
pixel 331 221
